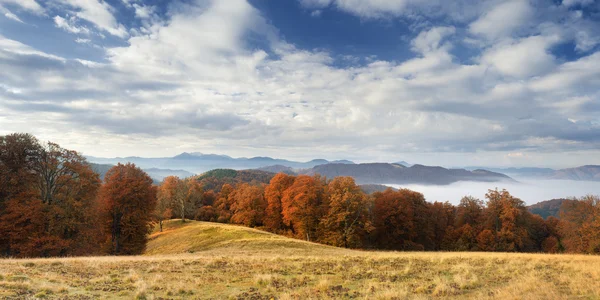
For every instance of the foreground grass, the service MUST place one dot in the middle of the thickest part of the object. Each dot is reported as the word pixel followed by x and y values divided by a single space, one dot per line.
pixel 229 262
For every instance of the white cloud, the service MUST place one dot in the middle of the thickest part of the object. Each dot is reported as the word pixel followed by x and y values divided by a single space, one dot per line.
pixel 69 25
pixel 195 80
pixel 428 41
pixel 503 19
pixel 523 58
pixel 29 5
pixel 98 13
pixel 9 15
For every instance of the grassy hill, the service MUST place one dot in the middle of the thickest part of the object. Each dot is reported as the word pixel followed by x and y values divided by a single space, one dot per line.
pixel 199 260
pixel 216 238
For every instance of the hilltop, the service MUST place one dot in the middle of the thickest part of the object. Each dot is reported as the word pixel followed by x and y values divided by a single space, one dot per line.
pixel 216 238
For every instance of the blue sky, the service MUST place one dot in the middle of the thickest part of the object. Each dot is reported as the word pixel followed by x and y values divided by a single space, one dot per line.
pixel 454 83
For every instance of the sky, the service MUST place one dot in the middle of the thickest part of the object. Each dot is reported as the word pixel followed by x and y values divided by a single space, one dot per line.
pixel 452 83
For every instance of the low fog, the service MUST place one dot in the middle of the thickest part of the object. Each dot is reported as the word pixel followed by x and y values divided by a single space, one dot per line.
pixel 530 191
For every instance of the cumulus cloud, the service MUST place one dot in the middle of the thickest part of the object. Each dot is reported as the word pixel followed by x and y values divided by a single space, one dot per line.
pixel 503 19
pixel 196 80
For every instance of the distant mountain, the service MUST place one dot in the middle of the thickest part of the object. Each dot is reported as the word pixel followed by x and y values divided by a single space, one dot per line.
pixel 156 174
pixel 198 162
pixel 547 208
pixel 583 173
pixel 160 174
pixel 100 169
pixel 384 173
pixel 519 172
pixel 278 169
pixel 372 188
pixel 215 179
pixel 588 173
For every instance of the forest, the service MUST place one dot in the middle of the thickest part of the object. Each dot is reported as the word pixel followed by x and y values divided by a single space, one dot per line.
pixel 53 204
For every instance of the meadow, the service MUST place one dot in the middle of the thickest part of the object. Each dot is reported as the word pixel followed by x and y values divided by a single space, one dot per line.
pixel 200 260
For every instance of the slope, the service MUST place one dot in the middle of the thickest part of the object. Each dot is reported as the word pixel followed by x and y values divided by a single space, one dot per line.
pixel 206 237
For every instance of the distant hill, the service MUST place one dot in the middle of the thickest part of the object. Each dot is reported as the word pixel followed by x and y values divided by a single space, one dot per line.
pixel 156 174
pixel 583 173
pixel 278 169
pixel 519 172
pixel 372 188
pixel 160 174
pixel 588 173
pixel 547 208
pixel 215 179
pixel 100 169
pixel 197 162
pixel 384 173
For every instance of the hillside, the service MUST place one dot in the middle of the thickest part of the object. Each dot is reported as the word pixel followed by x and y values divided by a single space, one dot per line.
pixel 194 236
pixel 588 173
pixel 230 262
pixel 547 208
pixel 383 173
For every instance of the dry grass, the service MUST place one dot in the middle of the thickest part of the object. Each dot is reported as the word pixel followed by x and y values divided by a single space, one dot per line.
pixel 243 265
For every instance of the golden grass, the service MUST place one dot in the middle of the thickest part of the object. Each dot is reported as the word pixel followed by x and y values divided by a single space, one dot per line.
pixel 214 261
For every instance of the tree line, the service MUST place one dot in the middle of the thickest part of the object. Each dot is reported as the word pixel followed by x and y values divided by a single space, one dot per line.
pixel 53 204
pixel 336 212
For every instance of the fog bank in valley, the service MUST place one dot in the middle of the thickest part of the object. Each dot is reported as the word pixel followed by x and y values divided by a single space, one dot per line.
pixel 529 190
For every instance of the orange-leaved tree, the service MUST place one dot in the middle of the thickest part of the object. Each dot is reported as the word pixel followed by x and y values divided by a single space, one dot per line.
pixel 273 194
pixel 301 206
pixel 128 200
pixel 346 222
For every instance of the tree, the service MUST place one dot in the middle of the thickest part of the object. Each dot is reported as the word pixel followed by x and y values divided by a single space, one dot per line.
pixel 580 225
pixel 128 200
pixel 401 220
pixel 223 204
pixel 163 209
pixel 505 219
pixel 301 206
pixel 273 194
pixel 52 187
pixel 175 190
pixel 347 219
pixel 248 205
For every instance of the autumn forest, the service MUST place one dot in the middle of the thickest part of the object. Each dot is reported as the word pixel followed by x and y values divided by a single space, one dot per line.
pixel 52 203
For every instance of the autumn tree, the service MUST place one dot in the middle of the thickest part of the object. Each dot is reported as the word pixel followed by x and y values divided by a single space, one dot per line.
pixel 273 194
pixel 505 220
pixel 580 225
pixel 163 210
pixel 302 206
pixel 248 205
pixel 442 219
pixel 223 204
pixel 52 187
pixel 401 220
pixel 346 221
pixel 128 200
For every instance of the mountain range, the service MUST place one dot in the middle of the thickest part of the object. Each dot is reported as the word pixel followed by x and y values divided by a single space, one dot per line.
pixel 198 163
pixel 187 164
pixel 587 172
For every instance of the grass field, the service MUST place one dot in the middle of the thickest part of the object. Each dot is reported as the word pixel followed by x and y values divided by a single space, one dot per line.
pixel 200 260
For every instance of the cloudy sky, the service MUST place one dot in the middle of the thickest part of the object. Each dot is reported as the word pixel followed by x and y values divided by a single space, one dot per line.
pixel 455 83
